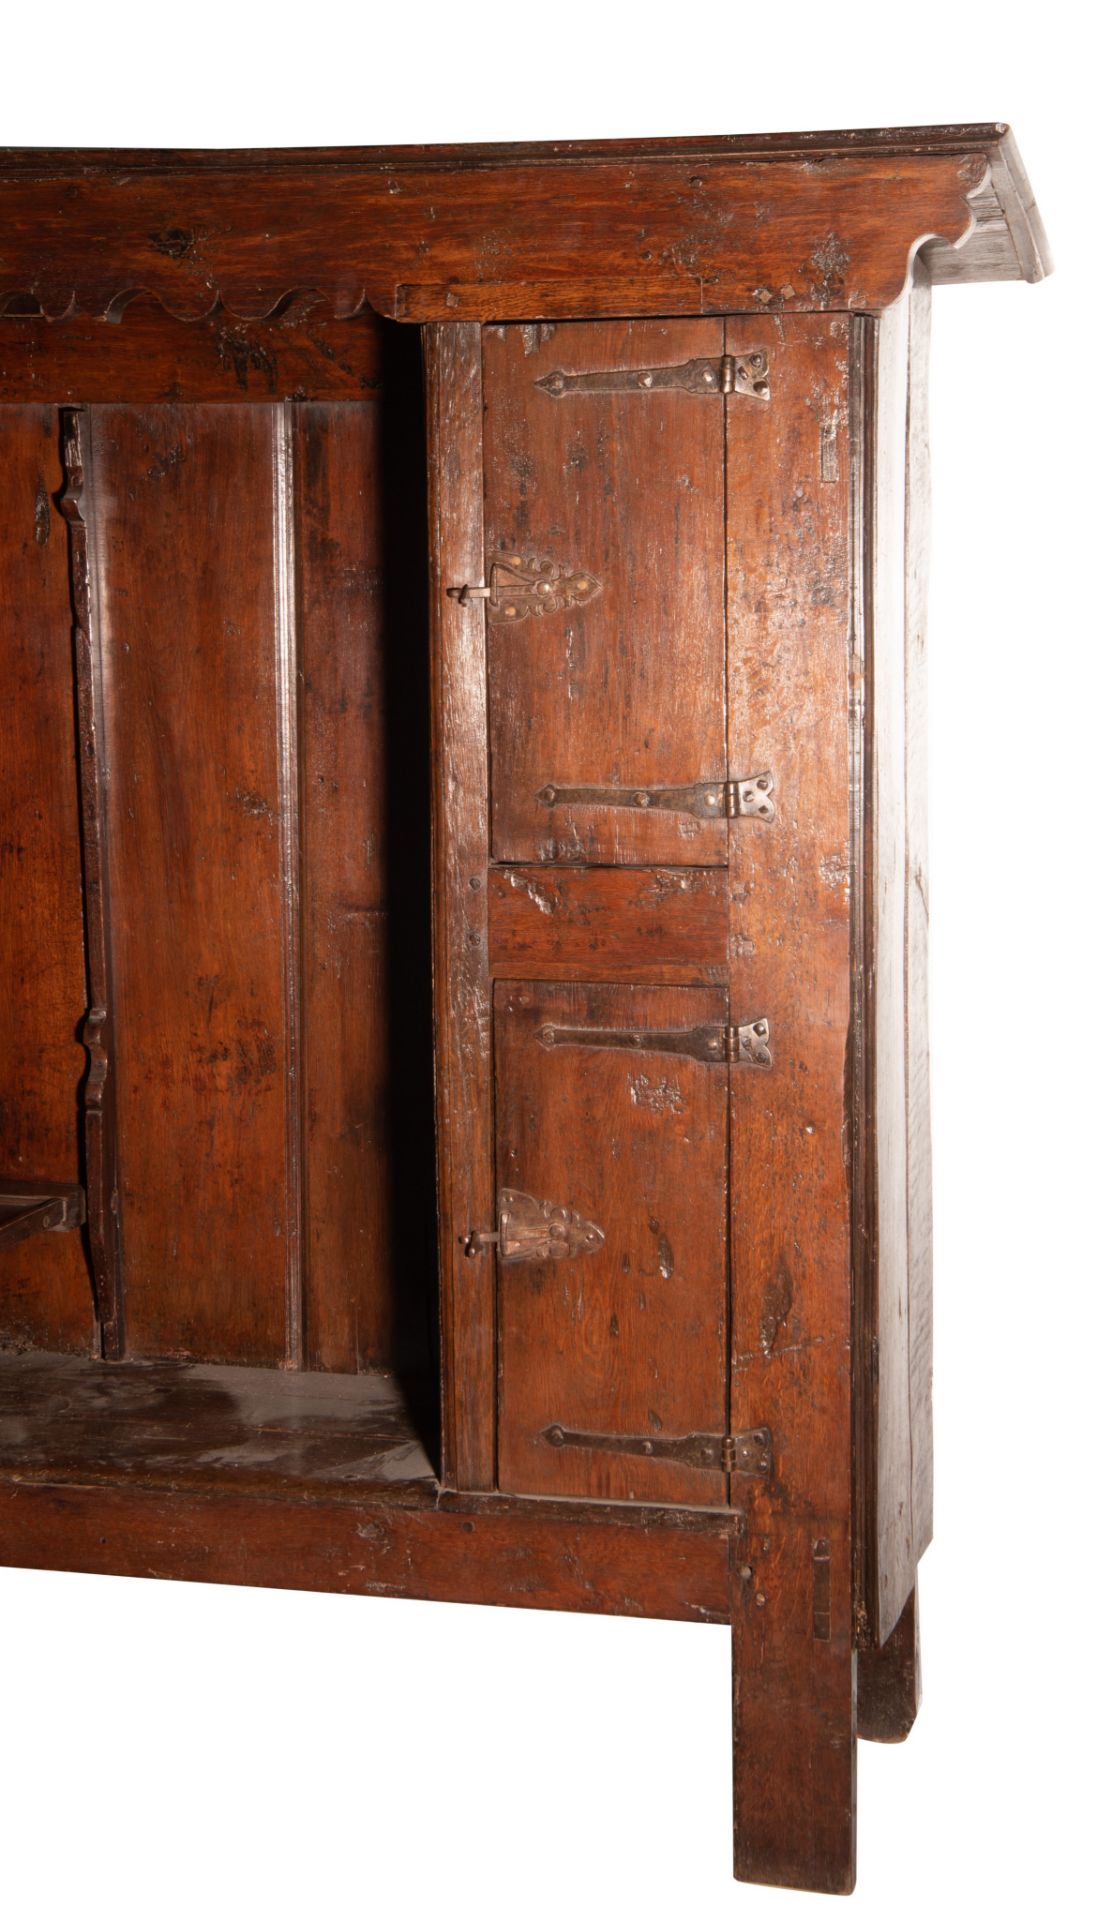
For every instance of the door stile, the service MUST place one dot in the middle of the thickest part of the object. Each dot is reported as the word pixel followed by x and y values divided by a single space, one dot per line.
pixel 462 1016
pixel 790 615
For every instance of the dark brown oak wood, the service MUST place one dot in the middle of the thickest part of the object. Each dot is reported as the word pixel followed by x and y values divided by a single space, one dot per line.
pixel 889 1680
pixel 266 1478
pixel 224 1429
pixel 666 924
pixel 152 358
pixel 494 1553
pixel 800 221
pixel 626 690
pixel 629 1339
pixel 466 1190
pixel 196 876
pixel 347 1053
pixel 97 1030
pixel 45 1288
pixel 30 1207
pixel 790 619
pixel 629 596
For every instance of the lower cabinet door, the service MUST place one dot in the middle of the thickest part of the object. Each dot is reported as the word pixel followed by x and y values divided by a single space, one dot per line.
pixel 612 1165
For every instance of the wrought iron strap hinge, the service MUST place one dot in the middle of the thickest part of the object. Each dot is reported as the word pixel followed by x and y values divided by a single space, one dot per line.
pixel 532 1229
pixel 747 799
pixel 746 373
pixel 521 584
pixel 749 1453
pixel 714 1045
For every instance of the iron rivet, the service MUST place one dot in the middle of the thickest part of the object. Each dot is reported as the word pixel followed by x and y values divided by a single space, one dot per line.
pixel 642 799
pixel 759 1026
pixel 647 1447
pixel 759 1599
pixel 475 883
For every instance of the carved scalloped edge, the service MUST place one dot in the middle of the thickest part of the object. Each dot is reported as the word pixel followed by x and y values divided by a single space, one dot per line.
pixel 294 304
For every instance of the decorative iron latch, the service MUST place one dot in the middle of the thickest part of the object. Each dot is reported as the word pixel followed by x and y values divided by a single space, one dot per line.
pixel 749 1453
pixel 746 373
pixel 707 800
pixel 532 1229
pixel 523 584
pixel 714 1045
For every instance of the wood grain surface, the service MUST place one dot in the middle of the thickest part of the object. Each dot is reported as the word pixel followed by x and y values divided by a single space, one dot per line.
pixel 759 224
pixel 632 1338
pixel 628 690
pixel 790 616
pixel 462 1013
pixel 45 1287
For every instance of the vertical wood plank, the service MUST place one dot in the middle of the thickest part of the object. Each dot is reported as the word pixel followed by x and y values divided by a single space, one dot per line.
pixel 789 614
pixel 283 486
pixel 100 1092
pixel 351 1314
pixel 183 516
pixel 454 408
pixel 45 1289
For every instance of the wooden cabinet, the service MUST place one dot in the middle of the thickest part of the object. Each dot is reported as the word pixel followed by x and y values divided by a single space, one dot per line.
pixel 464 906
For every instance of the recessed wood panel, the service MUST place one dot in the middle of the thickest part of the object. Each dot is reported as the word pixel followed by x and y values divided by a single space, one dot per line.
pixel 182 518
pixel 624 690
pixel 344 747
pixel 628 1340
pixel 45 1289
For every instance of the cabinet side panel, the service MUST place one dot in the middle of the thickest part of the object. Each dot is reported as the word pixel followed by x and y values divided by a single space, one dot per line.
pixel 45 1290
pixel 893 1545
pixel 919 1163
pixel 182 525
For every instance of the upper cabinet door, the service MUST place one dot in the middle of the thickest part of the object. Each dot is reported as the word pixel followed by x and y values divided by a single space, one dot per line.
pixel 604 544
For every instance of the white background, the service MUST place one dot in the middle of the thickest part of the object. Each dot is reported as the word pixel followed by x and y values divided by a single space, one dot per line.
pixel 178 1750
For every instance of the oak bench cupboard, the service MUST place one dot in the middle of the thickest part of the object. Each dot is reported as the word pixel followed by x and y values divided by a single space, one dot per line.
pixel 464 1122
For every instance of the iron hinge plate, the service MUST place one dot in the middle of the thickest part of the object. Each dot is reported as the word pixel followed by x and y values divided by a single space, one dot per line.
pixel 748 1454
pixel 713 1045
pixel 747 799
pixel 726 373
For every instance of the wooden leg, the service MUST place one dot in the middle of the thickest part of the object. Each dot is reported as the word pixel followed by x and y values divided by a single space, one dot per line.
pixel 795 1747
pixel 889 1680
